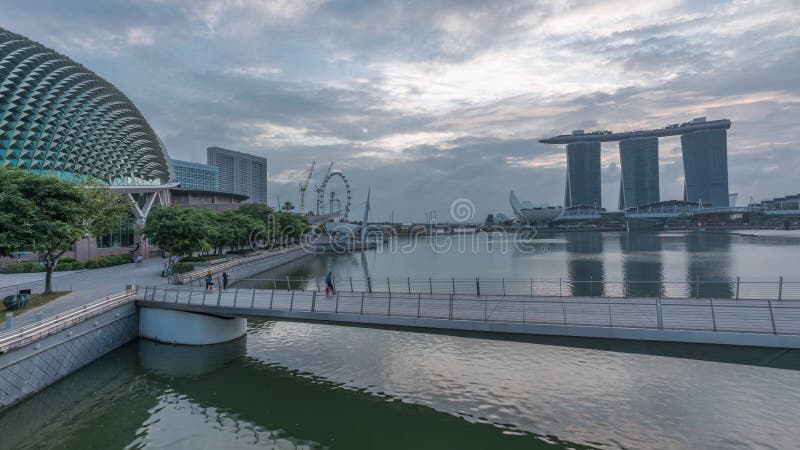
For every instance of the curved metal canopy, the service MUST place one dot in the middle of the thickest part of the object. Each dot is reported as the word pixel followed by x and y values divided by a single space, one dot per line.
pixel 58 117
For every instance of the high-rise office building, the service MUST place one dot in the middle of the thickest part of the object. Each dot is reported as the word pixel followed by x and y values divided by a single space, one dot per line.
pixel 705 165
pixel 240 173
pixel 639 180
pixel 583 175
pixel 192 175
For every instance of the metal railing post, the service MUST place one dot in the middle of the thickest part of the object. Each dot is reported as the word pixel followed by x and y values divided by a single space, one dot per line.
pixel 659 314
pixel 146 288
pixel 369 285
pixel 504 286
pixel 291 302
pixel 235 296
pixel 772 317
pixel 697 288
pixel 205 293
pixel 559 287
pixel 390 305
pixel 419 303
pixel 253 300
pixel 478 286
pixel 564 311
pixel 486 309
pixel 351 283
pixel 408 279
pixel 780 287
pixel 313 301
pixel 362 303
pixel 713 316
pixel 219 295
pixel 454 284
pixel 389 287
pixel 274 283
pixel 610 315
pixel 737 288
pixel 430 284
pixel 450 315
pixel 336 308
pixel 531 287
pixel 271 298
pixel 288 283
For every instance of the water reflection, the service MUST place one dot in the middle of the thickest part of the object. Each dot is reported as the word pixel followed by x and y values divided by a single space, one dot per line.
pixel 585 266
pixel 642 268
pixel 188 361
pixel 589 263
pixel 708 266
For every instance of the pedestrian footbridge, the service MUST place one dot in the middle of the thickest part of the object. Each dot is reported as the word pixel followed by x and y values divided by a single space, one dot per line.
pixel 195 316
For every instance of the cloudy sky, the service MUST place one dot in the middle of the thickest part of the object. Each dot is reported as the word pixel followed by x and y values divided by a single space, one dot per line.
pixel 429 101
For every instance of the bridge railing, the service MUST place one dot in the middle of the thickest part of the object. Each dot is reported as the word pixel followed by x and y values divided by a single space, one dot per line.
pixel 198 275
pixel 742 316
pixel 39 330
pixel 739 289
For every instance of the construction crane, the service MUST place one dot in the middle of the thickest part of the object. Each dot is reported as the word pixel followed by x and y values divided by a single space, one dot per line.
pixel 304 188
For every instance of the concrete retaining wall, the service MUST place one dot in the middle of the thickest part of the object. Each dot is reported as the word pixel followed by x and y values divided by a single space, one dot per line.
pixel 30 369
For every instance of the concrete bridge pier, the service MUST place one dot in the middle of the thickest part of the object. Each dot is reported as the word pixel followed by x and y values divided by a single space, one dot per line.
pixel 188 328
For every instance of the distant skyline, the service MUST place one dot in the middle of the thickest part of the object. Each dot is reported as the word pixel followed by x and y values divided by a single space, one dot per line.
pixel 427 102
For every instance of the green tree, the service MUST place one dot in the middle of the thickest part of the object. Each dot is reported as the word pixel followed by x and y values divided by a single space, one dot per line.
pixel 179 231
pixel 287 206
pixel 48 215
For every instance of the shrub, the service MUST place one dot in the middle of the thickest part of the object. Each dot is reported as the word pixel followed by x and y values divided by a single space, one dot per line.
pixel 107 261
pixel 241 251
pixel 69 265
pixel 31 267
pixel 202 258
pixel 182 268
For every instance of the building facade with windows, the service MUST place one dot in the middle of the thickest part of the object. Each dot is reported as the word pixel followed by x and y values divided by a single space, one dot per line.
pixel 192 175
pixel 705 165
pixel 639 175
pixel 583 175
pixel 240 173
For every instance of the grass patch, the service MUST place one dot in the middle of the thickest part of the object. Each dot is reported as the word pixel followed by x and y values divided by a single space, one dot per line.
pixel 35 301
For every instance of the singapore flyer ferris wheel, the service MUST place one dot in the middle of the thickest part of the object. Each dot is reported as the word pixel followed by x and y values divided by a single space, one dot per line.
pixel 322 190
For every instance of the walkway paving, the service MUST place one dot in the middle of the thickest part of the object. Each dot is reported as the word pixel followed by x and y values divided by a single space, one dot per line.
pixel 86 285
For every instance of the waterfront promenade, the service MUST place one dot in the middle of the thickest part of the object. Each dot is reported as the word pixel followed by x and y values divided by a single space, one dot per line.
pixel 86 286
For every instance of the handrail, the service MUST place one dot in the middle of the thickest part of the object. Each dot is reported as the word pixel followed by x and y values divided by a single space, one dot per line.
pixel 738 288
pixel 200 273
pixel 752 316
pixel 38 330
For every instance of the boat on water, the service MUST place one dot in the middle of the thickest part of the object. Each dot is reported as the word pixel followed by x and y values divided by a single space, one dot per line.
pixel 531 213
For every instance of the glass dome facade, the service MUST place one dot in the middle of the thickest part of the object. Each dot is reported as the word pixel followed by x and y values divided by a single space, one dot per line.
pixel 58 117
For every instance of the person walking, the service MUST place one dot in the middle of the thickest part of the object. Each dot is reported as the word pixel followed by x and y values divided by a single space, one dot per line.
pixel 224 280
pixel 329 283
pixel 209 282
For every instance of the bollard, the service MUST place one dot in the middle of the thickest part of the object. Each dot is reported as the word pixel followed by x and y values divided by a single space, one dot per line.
pixel 39 316
pixel 9 320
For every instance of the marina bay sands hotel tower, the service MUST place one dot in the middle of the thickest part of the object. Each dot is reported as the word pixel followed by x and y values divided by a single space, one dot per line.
pixel 704 146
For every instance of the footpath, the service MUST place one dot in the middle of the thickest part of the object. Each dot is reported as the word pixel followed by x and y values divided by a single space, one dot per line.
pixel 86 286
